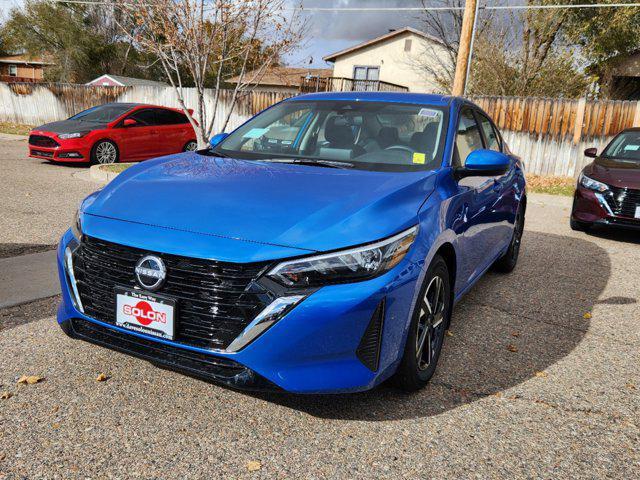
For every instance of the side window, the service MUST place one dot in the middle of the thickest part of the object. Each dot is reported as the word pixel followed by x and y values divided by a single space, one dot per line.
pixel 468 137
pixel 490 134
pixel 169 117
pixel 145 117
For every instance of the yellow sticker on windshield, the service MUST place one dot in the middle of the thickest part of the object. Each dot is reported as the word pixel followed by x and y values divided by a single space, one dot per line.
pixel 419 158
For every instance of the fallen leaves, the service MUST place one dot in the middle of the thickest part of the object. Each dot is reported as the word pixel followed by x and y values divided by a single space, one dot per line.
pixel 587 316
pixel 6 395
pixel 448 333
pixel 254 466
pixel 30 379
pixel 515 334
pixel 542 374
pixel 102 377
pixel 512 348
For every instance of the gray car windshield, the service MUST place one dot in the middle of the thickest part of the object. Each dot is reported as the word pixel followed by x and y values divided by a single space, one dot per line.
pixel 367 135
pixel 625 146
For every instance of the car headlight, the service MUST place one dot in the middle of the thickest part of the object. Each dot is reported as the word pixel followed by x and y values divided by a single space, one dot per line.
pixel 67 136
pixel 592 184
pixel 354 264
pixel 76 226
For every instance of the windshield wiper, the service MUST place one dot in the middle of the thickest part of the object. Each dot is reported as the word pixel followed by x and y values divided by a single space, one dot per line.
pixel 316 162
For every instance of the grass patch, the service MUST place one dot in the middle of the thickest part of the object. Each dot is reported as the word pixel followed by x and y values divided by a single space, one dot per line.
pixel 15 128
pixel 116 167
pixel 552 185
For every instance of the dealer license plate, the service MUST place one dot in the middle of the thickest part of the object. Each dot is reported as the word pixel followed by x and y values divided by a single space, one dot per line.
pixel 145 313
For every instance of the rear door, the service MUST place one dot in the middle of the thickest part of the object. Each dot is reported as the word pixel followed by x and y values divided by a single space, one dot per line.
pixel 140 141
pixel 171 130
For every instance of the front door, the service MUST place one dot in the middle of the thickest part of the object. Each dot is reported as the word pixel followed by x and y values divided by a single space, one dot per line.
pixel 141 141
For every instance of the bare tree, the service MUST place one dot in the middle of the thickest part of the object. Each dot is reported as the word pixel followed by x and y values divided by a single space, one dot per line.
pixel 195 38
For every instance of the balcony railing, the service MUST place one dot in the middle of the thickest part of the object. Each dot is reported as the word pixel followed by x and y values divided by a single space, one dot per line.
pixel 339 84
pixel 11 79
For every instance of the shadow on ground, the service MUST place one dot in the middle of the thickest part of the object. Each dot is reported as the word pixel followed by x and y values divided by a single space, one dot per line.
pixel 16 249
pixel 615 234
pixel 537 311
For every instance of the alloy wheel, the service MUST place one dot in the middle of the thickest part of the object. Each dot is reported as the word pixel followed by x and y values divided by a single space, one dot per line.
pixel 430 323
pixel 106 153
pixel 191 147
pixel 517 234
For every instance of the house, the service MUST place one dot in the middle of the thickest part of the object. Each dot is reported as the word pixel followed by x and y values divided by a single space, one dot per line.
pixel 108 80
pixel 395 58
pixel 281 79
pixel 21 68
pixel 621 77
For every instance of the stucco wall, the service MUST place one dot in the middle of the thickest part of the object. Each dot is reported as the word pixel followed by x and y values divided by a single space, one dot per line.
pixel 396 65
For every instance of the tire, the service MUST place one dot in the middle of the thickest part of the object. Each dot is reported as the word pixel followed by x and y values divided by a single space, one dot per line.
pixel 190 146
pixel 423 347
pixel 105 152
pixel 508 261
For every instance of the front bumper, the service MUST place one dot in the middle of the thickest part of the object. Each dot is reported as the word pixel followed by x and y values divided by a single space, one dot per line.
pixel 71 150
pixel 596 208
pixel 313 349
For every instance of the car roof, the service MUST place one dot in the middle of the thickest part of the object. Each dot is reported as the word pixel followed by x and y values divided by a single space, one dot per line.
pixel 136 105
pixel 392 97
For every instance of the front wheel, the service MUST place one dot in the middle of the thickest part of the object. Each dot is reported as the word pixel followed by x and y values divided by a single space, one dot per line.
pixel 104 152
pixel 426 333
pixel 508 261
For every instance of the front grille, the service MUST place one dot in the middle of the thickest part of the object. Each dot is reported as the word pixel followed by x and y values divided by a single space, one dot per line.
pixel 43 141
pixel 623 201
pixel 214 301
pixel 42 153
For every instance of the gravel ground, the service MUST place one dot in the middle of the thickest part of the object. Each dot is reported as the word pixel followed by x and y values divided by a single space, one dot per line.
pixel 38 198
pixel 527 387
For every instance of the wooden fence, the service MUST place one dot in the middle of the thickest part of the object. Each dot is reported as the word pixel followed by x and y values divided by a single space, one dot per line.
pixel 549 134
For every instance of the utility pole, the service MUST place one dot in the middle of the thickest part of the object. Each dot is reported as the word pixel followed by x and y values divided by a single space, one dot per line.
pixel 464 49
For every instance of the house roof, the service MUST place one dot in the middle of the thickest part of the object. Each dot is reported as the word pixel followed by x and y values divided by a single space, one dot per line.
pixel 283 76
pixel 23 60
pixel 382 38
pixel 129 81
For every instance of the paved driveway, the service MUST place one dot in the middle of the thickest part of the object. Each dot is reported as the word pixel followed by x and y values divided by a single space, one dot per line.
pixel 527 388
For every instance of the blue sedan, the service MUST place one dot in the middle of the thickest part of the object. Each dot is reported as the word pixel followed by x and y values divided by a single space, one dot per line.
pixel 320 247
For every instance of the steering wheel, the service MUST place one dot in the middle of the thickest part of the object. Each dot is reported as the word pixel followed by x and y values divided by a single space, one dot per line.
pixel 400 147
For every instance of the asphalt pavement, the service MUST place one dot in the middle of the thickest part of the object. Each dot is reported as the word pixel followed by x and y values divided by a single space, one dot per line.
pixel 538 379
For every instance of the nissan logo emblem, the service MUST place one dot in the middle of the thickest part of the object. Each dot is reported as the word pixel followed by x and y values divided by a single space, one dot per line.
pixel 150 272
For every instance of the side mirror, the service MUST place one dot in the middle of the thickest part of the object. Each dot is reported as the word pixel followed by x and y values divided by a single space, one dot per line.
pixel 484 163
pixel 129 122
pixel 591 152
pixel 216 139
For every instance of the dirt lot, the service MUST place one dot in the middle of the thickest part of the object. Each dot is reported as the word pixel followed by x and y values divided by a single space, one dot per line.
pixel 527 386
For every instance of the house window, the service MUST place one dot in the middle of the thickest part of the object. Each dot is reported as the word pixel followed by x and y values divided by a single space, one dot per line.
pixel 407 45
pixel 365 78
pixel 13 70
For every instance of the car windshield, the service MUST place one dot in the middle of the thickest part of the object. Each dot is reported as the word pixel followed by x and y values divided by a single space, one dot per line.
pixel 102 114
pixel 379 136
pixel 625 146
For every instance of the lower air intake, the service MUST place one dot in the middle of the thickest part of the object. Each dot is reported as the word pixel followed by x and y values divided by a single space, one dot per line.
pixel 368 352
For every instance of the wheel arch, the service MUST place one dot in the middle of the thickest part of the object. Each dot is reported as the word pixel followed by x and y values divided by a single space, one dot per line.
pixel 448 253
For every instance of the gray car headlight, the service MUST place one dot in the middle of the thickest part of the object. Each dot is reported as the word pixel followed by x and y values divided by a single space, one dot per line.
pixel 591 184
pixel 351 265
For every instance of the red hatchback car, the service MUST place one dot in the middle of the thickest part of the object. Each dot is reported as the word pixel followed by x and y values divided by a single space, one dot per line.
pixel 114 132
pixel 608 190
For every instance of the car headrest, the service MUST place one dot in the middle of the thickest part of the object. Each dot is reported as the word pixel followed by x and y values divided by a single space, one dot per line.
pixel 338 133
pixel 425 141
pixel 388 136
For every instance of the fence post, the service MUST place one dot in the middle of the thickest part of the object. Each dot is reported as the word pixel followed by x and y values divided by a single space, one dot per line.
pixel 577 127
pixel 636 117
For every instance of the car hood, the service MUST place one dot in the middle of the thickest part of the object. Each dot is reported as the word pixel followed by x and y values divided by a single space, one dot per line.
pixel 69 126
pixel 615 172
pixel 298 206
